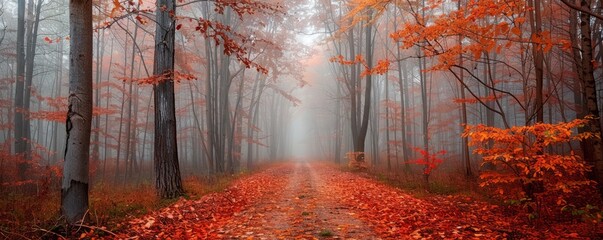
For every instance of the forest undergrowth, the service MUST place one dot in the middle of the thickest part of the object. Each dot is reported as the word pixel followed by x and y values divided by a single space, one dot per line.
pixel 311 200
pixel 32 211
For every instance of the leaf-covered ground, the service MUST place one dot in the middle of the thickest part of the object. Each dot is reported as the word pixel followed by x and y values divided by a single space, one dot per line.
pixel 317 201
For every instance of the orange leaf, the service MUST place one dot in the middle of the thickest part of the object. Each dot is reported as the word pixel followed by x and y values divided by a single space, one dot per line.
pixel 516 31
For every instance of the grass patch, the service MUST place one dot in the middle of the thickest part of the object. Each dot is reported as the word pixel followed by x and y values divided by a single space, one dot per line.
pixel 439 184
pixel 442 188
pixel 109 203
pixel 325 233
pixel 29 214
pixel 22 213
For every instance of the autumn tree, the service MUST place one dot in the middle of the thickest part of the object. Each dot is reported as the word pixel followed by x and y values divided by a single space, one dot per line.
pixel 490 48
pixel 527 166
pixel 361 66
pixel 74 190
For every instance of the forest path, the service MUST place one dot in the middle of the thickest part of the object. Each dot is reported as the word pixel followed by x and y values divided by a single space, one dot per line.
pixel 305 208
pixel 313 200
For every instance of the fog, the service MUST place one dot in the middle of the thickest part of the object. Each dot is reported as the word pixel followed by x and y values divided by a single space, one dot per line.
pixel 271 81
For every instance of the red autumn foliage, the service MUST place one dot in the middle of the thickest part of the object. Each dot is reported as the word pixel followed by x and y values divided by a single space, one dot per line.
pixel 200 219
pixel 381 68
pixel 394 214
pixel 529 163
pixel 296 194
pixel 429 161
pixel 177 76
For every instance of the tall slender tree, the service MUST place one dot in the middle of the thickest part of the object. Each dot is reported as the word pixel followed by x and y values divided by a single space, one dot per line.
pixel 20 141
pixel 592 108
pixel 74 190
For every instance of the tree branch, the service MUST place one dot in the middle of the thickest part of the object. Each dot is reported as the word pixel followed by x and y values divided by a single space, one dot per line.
pixel 578 8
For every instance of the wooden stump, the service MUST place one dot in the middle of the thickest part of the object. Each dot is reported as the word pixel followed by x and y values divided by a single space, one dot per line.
pixel 357 160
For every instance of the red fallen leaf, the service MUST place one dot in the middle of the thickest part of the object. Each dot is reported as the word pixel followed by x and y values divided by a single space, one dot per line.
pixel 391 213
pixel 206 215
pixel 178 26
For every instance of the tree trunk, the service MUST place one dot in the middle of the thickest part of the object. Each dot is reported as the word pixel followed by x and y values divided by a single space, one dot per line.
pixel 367 91
pixel 198 124
pixel 353 91
pixel 403 84
pixel 274 138
pixel 425 111
pixel 74 189
pixel 20 141
pixel 59 87
pixel 538 56
pixel 167 170
pixel 129 132
pixel 250 127
pixel 425 116
pixel 464 141
pixel 235 142
pixel 252 121
pixel 596 157
pixel 121 111
pixel 374 125
pixel 338 124
pixel 32 32
pixel 100 49
pixel 105 144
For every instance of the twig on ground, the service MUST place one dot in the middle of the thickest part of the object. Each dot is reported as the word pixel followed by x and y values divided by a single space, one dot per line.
pixel 96 228
pixel 51 232
pixel 82 220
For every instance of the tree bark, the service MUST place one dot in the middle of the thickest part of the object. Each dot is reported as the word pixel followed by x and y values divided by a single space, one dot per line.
pixel 338 124
pixel 74 189
pixel 121 110
pixel 20 141
pixel 33 20
pixel 538 57
pixel 596 157
pixel 100 50
pixel 367 92
pixel 464 142
pixel 403 84
pixel 167 170
pixel 106 149
pixel 130 139
pixel 58 87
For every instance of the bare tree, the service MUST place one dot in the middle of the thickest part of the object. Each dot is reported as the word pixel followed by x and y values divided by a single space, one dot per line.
pixel 4 26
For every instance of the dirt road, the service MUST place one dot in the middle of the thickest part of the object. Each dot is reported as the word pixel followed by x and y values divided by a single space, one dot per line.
pixel 301 200
pixel 305 208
